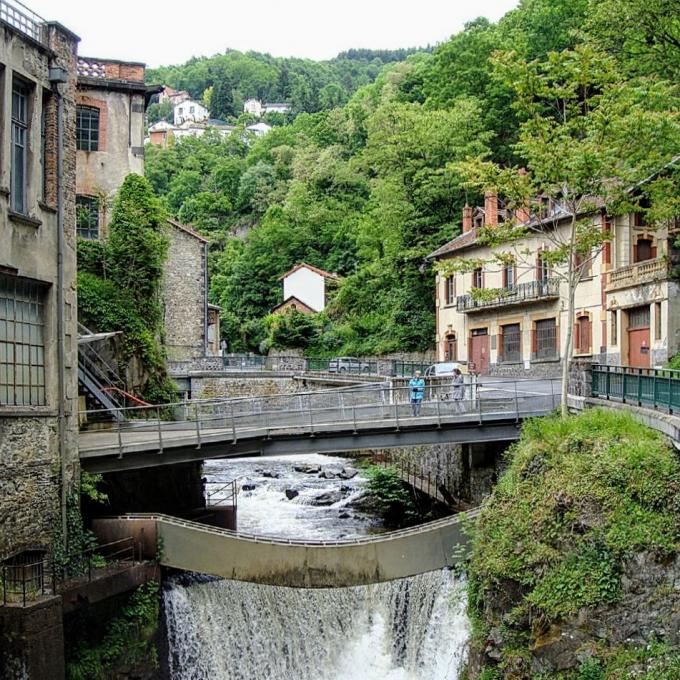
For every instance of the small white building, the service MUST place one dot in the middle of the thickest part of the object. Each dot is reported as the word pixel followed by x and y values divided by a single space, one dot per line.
pixel 253 107
pixel 189 111
pixel 276 107
pixel 259 129
pixel 305 288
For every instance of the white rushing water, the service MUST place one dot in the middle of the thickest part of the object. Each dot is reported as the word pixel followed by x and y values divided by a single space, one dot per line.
pixel 265 510
pixel 412 629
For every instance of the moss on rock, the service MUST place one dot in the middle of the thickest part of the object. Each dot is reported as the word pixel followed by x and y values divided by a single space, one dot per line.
pixel 571 551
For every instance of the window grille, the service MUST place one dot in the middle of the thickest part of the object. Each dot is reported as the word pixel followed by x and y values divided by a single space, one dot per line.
pixel 22 343
pixel 87 128
pixel 511 348
pixel 19 146
pixel 545 341
pixel 87 217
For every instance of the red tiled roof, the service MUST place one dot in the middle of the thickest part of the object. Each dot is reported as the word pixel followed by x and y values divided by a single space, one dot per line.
pixel 321 272
pixel 292 298
pixel 463 241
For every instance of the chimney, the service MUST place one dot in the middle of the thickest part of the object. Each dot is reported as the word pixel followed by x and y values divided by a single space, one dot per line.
pixel 491 208
pixel 467 219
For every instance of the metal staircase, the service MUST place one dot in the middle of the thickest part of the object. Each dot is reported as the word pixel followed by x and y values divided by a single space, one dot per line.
pixel 97 377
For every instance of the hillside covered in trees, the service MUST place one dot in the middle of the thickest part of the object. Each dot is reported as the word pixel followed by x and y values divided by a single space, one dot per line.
pixel 367 185
pixel 225 81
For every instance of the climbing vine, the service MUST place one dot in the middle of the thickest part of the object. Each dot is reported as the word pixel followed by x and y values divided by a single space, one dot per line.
pixel 119 282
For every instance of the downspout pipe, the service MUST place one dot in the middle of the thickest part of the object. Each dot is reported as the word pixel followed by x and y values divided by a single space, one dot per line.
pixel 58 78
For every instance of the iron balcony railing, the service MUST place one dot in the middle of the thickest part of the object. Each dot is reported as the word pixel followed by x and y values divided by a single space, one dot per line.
pixel 513 295
pixel 656 387
pixel 23 19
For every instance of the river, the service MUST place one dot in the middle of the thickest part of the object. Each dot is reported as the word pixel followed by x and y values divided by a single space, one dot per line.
pixel 410 629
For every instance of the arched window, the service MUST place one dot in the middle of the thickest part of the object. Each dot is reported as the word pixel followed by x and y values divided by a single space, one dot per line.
pixel 450 347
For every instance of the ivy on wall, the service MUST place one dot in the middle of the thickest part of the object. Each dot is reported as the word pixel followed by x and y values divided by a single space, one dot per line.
pixel 119 283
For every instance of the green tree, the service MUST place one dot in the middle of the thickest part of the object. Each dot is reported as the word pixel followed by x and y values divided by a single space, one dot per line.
pixel 586 140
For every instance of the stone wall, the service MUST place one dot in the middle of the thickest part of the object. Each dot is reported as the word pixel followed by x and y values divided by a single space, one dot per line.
pixel 581 378
pixel 29 483
pixel 244 385
pixel 184 290
pixel 537 369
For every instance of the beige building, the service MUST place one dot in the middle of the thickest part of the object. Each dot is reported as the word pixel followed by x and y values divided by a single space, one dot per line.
pixel 627 308
pixel 111 103
pixel 38 333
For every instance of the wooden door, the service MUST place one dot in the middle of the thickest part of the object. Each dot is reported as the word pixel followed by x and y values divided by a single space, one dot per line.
pixel 639 350
pixel 451 348
pixel 479 350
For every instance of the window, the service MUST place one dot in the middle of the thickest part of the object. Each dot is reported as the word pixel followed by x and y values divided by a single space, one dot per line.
pixel 614 328
pixel 638 317
pixel 583 262
pixel 451 348
pixel 19 146
pixel 545 339
pixel 191 109
pixel 450 284
pixel 542 269
pixel 87 128
pixel 510 347
pixel 582 335
pixel 22 346
pixel 643 250
pixel 478 278
pixel 87 217
pixel 657 321
pixel 509 275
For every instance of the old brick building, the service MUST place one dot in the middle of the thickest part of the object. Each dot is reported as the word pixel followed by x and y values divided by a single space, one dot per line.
pixel 38 334
pixel 111 101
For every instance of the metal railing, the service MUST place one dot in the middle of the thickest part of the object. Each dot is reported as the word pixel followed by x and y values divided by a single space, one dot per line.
pixel 23 19
pixel 522 292
pixel 25 578
pixel 655 387
pixel 307 413
pixel 431 526
pixel 225 494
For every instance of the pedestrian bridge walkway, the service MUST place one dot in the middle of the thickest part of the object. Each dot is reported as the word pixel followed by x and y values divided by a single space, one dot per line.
pixel 300 564
pixel 328 421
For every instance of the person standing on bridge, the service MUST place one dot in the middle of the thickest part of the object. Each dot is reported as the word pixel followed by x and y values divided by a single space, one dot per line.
pixel 416 393
pixel 458 391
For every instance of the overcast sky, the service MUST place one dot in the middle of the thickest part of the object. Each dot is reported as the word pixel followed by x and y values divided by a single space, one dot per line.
pixel 169 33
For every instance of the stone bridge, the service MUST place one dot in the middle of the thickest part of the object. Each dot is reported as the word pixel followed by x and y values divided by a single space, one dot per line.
pixel 299 564
pixel 331 421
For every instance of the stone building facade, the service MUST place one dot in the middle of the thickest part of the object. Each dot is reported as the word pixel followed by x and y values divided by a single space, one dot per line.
pixel 626 304
pixel 111 102
pixel 185 296
pixel 38 344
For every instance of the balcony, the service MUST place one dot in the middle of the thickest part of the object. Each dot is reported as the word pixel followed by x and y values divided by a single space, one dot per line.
pixel 636 274
pixel 22 19
pixel 522 293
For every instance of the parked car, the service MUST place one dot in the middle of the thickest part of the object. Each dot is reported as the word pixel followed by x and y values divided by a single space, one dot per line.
pixel 444 369
pixel 348 365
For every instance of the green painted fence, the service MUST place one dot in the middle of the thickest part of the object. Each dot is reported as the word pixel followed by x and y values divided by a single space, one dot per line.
pixel 656 387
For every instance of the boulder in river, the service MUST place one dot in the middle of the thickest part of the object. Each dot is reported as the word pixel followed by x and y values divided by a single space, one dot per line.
pixel 291 493
pixel 307 468
pixel 348 473
pixel 270 475
pixel 248 486
pixel 327 498
pixel 344 515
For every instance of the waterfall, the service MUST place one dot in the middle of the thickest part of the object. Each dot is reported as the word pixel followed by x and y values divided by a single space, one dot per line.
pixel 411 629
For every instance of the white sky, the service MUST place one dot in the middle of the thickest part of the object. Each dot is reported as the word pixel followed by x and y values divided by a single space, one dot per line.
pixel 162 33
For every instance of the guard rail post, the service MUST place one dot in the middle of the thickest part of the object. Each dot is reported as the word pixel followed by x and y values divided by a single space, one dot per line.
pixel 234 439
pixel 198 427
pixel 120 438
pixel 160 432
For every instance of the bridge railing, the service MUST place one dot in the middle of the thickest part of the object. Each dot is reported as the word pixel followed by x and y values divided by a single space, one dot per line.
pixel 656 387
pixel 309 412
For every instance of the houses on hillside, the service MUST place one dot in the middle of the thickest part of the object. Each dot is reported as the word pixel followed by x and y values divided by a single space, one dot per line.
pixel 256 108
pixel 189 111
pixel 627 304
pixel 305 289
